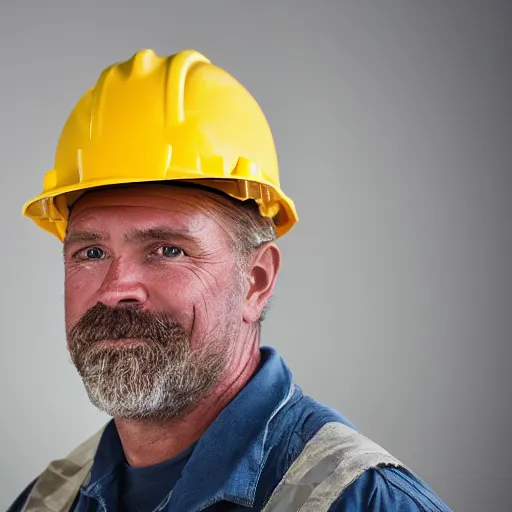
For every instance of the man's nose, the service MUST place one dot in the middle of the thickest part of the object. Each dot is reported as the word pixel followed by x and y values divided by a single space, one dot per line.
pixel 123 285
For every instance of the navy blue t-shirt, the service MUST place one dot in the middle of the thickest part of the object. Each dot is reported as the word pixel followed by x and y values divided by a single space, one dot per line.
pixel 143 489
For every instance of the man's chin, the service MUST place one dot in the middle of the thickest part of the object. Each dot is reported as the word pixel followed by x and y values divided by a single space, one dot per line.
pixel 137 406
pixel 137 379
pixel 122 343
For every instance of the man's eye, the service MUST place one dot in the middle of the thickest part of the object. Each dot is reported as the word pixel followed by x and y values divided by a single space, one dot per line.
pixel 93 253
pixel 170 251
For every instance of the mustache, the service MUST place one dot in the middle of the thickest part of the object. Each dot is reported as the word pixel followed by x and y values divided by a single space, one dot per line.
pixel 103 322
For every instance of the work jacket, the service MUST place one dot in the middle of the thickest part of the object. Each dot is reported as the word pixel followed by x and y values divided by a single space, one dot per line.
pixel 271 449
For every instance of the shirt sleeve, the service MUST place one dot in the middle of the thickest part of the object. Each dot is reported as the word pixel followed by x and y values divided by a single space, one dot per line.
pixel 388 489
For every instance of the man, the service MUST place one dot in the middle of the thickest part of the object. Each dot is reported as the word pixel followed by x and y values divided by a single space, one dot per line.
pixel 166 196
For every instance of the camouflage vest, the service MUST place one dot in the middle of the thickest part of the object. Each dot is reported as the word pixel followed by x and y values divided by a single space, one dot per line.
pixel 328 464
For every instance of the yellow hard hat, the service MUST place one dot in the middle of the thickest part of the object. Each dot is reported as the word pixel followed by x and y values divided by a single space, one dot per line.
pixel 153 118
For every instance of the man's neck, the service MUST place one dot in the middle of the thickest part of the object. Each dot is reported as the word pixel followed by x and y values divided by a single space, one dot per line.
pixel 147 442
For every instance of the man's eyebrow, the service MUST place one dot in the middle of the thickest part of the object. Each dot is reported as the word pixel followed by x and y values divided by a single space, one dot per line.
pixel 135 235
pixel 138 235
pixel 83 236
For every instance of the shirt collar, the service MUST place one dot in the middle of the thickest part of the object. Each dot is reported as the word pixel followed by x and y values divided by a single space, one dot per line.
pixel 228 459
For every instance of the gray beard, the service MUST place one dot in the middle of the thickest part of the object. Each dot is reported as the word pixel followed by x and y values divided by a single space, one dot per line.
pixel 143 382
pixel 159 379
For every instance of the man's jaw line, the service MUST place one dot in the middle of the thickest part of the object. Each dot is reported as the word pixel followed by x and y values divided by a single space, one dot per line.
pixel 165 438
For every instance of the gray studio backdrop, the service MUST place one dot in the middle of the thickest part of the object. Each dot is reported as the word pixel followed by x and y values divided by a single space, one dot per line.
pixel 391 120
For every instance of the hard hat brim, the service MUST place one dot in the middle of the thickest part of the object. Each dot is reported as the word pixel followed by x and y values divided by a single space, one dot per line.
pixel 49 210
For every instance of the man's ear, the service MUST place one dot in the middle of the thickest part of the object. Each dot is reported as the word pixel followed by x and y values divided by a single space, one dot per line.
pixel 262 275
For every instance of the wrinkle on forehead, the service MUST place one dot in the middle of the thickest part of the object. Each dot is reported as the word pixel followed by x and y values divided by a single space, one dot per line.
pixel 154 196
pixel 183 201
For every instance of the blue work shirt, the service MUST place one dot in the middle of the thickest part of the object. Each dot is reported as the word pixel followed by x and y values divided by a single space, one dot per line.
pixel 245 453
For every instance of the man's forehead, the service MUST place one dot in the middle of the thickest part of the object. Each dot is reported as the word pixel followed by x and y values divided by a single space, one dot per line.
pixel 184 208
pixel 151 196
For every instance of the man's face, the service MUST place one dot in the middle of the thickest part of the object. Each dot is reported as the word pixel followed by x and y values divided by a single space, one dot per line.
pixel 153 299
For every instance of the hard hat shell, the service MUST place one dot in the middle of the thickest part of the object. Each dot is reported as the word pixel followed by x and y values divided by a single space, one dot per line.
pixel 158 119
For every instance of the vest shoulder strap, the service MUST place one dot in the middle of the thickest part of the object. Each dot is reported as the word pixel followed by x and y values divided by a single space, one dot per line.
pixel 334 458
pixel 58 485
